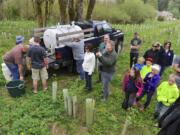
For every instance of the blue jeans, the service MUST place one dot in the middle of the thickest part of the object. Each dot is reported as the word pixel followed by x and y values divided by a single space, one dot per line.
pixel 14 70
pixel 79 69
pixel 160 109
pixel 106 78
pixel 88 81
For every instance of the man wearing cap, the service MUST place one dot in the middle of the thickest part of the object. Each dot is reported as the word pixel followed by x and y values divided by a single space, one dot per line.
pixel 14 60
pixel 19 40
pixel 135 46
pixel 176 67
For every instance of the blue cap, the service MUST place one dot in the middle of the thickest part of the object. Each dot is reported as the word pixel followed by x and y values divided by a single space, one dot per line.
pixel 19 39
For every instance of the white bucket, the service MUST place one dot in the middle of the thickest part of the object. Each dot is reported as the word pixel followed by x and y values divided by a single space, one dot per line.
pixel 6 72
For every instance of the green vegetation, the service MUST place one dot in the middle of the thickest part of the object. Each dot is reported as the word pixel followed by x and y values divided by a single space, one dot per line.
pixel 129 11
pixel 38 115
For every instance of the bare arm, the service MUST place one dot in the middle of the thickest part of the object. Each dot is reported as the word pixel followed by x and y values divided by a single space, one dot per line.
pixel 46 62
pixel 20 69
pixel 175 67
pixel 28 63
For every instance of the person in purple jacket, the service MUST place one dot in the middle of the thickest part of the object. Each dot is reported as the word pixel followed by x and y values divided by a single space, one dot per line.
pixel 151 82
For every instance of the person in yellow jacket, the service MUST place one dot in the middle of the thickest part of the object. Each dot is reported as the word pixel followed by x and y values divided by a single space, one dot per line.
pixel 147 68
pixel 167 93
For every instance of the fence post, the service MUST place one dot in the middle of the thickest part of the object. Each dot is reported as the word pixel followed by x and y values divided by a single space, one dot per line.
pixel 54 90
pixel 90 104
pixel 74 99
pixel 65 94
pixel 70 111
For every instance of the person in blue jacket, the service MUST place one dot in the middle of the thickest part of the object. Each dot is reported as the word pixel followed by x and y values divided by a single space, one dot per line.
pixel 151 82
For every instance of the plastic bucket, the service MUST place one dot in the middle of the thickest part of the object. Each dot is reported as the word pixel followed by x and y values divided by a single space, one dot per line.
pixel 16 88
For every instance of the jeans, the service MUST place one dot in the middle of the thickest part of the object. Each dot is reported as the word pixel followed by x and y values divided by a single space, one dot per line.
pixel 79 69
pixel 133 58
pixel 106 78
pixel 14 70
pixel 88 81
pixel 160 109
pixel 129 99
pixel 148 99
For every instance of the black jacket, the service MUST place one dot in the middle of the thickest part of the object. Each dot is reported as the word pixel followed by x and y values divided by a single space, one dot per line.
pixel 152 54
pixel 170 121
pixel 169 57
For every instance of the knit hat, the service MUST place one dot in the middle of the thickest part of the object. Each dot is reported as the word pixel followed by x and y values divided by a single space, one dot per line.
pixel 19 39
pixel 156 67
pixel 149 59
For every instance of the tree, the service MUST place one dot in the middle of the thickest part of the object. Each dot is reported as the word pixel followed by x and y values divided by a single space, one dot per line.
pixel 71 10
pixel 79 10
pixel 90 9
pixel 1 9
pixel 63 11
pixel 163 5
pixel 174 7
pixel 38 9
pixel 48 8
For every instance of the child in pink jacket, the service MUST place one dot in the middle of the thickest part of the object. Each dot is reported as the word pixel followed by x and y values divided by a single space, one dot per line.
pixel 132 85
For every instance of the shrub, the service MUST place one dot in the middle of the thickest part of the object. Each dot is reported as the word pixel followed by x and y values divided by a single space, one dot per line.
pixel 131 11
pixel 137 10
pixel 113 14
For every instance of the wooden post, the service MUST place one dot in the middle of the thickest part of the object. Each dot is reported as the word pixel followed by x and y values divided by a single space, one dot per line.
pixel 125 127
pixel 74 99
pixel 54 90
pixel 90 104
pixel 65 94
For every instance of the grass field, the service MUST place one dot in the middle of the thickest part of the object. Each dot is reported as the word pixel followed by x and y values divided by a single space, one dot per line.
pixel 38 115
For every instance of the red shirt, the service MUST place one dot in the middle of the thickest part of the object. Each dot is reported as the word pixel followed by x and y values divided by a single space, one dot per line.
pixel 14 56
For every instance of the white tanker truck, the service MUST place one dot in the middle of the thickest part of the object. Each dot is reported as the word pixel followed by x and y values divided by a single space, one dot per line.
pixel 54 38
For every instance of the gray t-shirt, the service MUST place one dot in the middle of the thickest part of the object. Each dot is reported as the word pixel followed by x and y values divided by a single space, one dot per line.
pixel 135 42
pixel 177 61
pixel 37 55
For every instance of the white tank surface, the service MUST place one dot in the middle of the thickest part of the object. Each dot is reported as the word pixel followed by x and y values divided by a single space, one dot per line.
pixel 6 72
pixel 66 34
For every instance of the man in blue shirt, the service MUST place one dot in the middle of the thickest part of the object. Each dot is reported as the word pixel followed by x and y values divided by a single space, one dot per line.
pixel 39 63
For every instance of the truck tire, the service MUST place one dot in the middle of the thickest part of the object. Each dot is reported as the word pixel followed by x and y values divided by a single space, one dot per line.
pixel 118 46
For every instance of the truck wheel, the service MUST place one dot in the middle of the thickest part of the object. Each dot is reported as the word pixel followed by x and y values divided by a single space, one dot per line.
pixel 118 46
